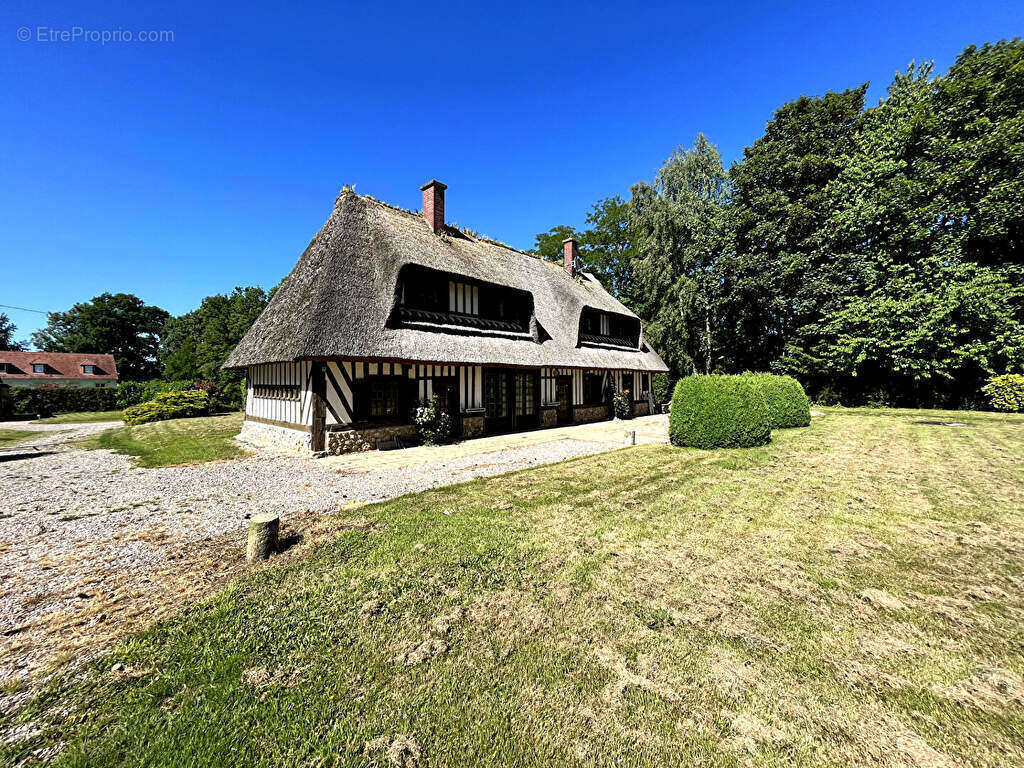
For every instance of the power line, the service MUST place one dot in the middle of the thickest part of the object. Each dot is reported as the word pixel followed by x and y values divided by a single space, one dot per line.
pixel 25 309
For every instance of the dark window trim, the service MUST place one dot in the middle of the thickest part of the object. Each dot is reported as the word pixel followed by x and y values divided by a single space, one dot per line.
pixel 361 397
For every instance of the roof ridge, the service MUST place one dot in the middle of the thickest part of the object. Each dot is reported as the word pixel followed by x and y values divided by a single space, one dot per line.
pixel 419 215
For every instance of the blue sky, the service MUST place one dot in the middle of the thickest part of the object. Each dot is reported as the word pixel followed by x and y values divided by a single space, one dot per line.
pixel 182 168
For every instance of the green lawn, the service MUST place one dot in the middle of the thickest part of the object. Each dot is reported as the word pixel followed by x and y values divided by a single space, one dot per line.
pixel 178 441
pixel 82 417
pixel 848 595
pixel 9 437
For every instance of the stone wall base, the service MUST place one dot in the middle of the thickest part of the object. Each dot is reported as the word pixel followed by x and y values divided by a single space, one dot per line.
pixel 583 414
pixel 641 408
pixel 548 417
pixel 274 437
pixel 341 441
pixel 472 426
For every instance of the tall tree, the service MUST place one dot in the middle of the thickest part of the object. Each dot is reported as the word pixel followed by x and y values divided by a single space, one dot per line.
pixel 119 324
pixel 680 232
pixel 7 330
pixel 548 245
pixel 198 342
pixel 607 248
pixel 781 205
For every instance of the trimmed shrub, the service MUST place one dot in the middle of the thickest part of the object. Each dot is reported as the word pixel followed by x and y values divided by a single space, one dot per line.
pixel 433 424
pixel 661 388
pixel 1006 393
pixel 788 404
pixel 169 405
pixel 622 404
pixel 47 401
pixel 719 412
pixel 134 392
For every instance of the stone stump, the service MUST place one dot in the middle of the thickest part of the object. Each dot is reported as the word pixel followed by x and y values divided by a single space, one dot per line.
pixel 263 531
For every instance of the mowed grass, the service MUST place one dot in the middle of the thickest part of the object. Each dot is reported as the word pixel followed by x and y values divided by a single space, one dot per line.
pixel 848 595
pixel 177 441
pixel 81 417
pixel 10 437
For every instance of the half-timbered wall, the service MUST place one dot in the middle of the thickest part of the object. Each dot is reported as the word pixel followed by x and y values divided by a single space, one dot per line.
pixel 281 391
pixel 278 391
pixel 342 376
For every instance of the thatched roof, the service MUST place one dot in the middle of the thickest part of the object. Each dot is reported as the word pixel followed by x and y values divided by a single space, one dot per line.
pixel 337 300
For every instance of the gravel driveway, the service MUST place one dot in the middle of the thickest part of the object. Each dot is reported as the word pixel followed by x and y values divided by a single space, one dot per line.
pixel 92 546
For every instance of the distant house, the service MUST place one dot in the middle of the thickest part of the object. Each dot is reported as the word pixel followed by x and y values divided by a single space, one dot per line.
pixel 386 308
pixel 57 369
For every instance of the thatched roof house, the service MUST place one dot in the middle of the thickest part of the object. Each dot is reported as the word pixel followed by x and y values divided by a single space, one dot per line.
pixel 383 296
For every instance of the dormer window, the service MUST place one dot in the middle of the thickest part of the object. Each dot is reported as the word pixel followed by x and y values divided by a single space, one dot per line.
pixel 609 329
pixel 89 370
pixel 38 367
pixel 428 297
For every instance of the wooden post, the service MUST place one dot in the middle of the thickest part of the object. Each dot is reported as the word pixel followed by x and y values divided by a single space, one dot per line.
pixel 631 437
pixel 263 530
pixel 319 405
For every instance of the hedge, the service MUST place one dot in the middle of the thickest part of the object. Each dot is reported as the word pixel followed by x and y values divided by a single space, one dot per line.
pixel 134 392
pixel 169 405
pixel 1006 393
pixel 47 401
pixel 227 395
pixel 719 412
pixel 661 388
pixel 788 404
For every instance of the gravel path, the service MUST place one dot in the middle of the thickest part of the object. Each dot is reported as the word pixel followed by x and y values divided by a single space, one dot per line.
pixel 92 546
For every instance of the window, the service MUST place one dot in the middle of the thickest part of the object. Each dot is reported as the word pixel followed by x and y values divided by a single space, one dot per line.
pixel 439 298
pixel 3 368
pixel 627 385
pixel 38 367
pixel 463 298
pixel 89 369
pixel 593 389
pixel 380 398
pixel 525 394
pixel 607 328
pixel 277 391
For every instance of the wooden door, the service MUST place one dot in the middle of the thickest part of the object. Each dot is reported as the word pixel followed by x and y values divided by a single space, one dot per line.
pixel 563 392
pixel 526 387
pixel 319 407
pixel 497 403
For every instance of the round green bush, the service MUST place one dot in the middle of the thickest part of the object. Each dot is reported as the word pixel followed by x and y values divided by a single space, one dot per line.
pixel 788 404
pixel 1006 393
pixel 718 412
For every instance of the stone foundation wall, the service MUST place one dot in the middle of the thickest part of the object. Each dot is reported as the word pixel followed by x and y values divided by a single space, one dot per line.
pixel 586 413
pixel 548 417
pixel 272 436
pixel 351 440
pixel 641 408
pixel 472 426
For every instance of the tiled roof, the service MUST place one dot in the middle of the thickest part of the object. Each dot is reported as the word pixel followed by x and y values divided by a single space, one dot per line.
pixel 60 365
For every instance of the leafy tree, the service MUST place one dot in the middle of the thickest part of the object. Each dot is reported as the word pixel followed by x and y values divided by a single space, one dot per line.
pixel 7 330
pixel 198 342
pixel 922 299
pixel 774 283
pixel 183 363
pixel 607 248
pixel 680 231
pixel 548 245
pixel 119 324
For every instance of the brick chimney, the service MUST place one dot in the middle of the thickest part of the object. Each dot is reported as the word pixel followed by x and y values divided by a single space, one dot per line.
pixel 433 204
pixel 569 255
